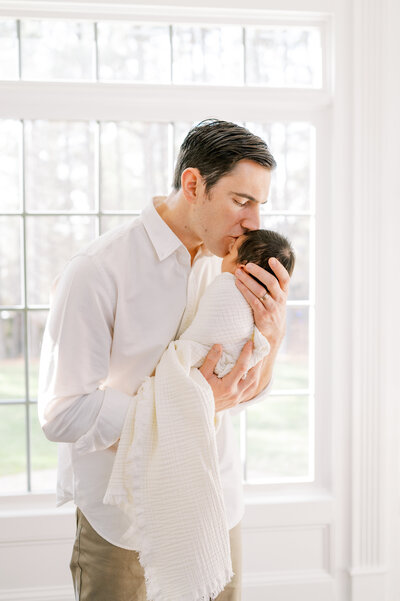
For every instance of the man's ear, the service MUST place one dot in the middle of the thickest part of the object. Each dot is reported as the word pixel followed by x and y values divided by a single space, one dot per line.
pixel 191 182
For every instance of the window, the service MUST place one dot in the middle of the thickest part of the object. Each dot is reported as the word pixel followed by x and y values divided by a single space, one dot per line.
pixel 102 108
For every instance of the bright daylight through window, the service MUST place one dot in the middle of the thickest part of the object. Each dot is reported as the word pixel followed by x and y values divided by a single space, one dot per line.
pixel 64 182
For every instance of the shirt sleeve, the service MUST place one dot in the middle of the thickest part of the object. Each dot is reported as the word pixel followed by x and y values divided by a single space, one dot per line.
pixel 73 403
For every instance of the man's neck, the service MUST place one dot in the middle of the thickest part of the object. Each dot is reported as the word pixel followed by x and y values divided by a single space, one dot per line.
pixel 173 209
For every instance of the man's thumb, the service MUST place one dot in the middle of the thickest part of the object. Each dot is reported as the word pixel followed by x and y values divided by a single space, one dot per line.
pixel 213 356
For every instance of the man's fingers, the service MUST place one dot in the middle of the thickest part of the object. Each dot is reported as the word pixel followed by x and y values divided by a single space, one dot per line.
pixel 275 286
pixel 257 305
pixel 242 364
pixel 248 295
pixel 280 272
pixel 252 377
pixel 250 282
pixel 213 356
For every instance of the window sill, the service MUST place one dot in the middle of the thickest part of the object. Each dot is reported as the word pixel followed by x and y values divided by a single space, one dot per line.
pixel 31 504
pixel 257 497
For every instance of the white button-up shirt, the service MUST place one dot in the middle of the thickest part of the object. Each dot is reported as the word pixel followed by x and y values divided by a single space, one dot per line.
pixel 114 310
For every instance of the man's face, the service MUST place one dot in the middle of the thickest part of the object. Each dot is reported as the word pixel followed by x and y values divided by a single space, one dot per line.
pixel 232 206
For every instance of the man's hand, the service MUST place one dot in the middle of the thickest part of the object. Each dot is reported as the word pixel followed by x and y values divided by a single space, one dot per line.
pixel 270 310
pixel 240 384
pixel 270 318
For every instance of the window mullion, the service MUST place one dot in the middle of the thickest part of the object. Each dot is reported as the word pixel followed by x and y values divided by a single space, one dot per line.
pixel 96 51
pixel 25 311
pixel 19 50
pixel 126 101
pixel 243 443
pixel 97 177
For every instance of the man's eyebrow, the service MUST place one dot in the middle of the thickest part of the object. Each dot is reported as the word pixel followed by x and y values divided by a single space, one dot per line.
pixel 248 196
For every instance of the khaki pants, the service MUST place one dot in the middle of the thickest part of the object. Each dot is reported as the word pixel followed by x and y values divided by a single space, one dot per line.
pixel 103 572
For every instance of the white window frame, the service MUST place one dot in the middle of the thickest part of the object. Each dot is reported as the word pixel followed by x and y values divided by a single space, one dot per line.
pixel 141 102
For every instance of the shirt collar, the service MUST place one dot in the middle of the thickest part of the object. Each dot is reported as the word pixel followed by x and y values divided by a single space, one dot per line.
pixel 162 237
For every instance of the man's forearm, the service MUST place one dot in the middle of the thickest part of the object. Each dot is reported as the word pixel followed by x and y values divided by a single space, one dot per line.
pixel 93 421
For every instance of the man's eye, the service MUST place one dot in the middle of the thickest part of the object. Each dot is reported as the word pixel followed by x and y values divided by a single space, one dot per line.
pixel 241 204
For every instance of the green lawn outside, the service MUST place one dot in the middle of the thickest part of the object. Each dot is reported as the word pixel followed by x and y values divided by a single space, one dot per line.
pixel 277 429
pixel 12 379
pixel 13 437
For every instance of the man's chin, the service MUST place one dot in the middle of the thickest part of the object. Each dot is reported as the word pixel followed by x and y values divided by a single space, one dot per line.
pixel 220 252
pixel 216 250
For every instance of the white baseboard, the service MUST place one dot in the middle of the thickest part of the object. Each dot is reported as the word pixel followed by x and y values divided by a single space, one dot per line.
pixel 51 593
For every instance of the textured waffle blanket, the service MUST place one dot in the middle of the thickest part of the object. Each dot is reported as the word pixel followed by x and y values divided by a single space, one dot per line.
pixel 165 475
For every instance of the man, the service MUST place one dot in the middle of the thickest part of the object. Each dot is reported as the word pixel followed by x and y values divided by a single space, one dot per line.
pixel 117 306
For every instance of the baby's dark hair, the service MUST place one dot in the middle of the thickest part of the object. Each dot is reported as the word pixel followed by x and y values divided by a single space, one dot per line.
pixel 260 245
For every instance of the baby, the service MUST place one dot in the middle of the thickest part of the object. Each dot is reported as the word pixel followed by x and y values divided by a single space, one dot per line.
pixel 224 316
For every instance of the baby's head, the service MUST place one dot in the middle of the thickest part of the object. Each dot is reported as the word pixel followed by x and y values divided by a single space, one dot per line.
pixel 257 246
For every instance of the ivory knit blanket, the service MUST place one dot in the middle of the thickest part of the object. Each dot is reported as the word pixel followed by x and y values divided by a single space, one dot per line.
pixel 166 475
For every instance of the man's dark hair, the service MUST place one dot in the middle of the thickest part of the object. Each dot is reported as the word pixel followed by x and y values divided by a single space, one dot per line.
pixel 214 147
pixel 260 245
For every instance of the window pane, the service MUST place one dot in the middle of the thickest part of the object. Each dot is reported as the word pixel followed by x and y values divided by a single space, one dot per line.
pixel 36 324
pixel 208 55
pixel 181 129
pixel 43 457
pixel 10 261
pixel 284 57
pixel 236 422
pixel 292 364
pixel 10 165
pixel 8 50
pixel 57 50
pixel 12 449
pixel 297 230
pixel 278 439
pixel 111 221
pixel 134 52
pixel 134 164
pixel 60 166
pixel 51 242
pixel 12 367
pixel 292 145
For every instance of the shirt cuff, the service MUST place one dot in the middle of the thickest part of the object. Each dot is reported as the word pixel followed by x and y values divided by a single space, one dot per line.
pixel 108 425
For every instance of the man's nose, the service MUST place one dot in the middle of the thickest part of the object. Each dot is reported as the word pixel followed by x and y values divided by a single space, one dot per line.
pixel 252 218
